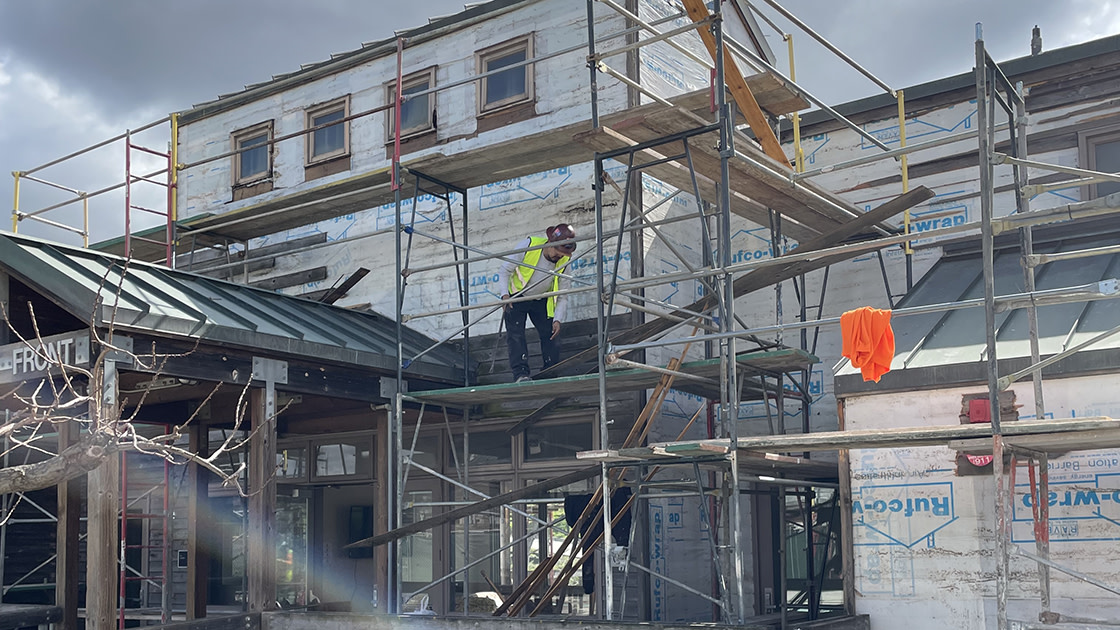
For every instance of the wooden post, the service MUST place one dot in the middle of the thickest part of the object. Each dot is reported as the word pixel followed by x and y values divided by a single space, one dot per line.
pixel 102 544
pixel 261 566
pixel 381 517
pixel 102 525
pixel 66 537
pixel 200 537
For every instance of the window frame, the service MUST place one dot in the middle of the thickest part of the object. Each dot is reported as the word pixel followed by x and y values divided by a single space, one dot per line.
pixel 390 95
pixel 241 135
pixel 315 443
pixel 1087 142
pixel 499 50
pixel 320 109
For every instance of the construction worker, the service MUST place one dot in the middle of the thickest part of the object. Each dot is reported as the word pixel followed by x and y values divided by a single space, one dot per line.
pixel 522 279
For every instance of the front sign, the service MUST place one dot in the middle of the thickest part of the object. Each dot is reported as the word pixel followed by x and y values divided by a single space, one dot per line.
pixel 35 358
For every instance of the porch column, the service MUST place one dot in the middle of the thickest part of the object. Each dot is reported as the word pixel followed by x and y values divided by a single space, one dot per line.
pixel 102 527
pixel 199 535
pixel 261 567
pixel 66 538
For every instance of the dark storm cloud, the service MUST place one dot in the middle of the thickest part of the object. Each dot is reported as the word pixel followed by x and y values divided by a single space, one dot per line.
pixel 130 54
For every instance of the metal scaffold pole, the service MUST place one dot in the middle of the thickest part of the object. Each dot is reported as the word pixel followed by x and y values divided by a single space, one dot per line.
pixel 985 110
pixel 728 389
pixel 395 494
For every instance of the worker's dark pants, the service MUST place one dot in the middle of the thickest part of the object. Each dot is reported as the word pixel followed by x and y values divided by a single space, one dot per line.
pixel 536 310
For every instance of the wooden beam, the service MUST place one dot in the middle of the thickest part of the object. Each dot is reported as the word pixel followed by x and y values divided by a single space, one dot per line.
pixel 66 537
pixel 199 536
pixel 242 621
pixel 698 12
pixel 261 537
pixel 1046 443
pixel 334 294
pixel 16 616
pixel 102 544
pixel 103 504
pixel 478 506
pixel 292 279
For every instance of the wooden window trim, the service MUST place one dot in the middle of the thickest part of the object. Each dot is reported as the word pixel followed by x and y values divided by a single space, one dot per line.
pixel 1086 141
pixel 241 134
pixel 498 50
pixel 407 81
pixel 309 138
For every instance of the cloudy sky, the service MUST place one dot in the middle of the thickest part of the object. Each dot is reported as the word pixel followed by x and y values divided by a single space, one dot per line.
pixel 75 72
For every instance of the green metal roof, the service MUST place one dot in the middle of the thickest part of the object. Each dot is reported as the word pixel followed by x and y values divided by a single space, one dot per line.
pixel 145 298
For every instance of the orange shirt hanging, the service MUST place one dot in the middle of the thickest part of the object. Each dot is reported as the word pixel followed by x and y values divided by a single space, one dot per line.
pixel 868 341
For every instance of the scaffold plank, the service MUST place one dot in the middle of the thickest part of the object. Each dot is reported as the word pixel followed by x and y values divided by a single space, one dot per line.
pixel 892 438
pixel 749 462
pixel 1046 443
pixel 785 360
pixel 462 167
pixel 677 175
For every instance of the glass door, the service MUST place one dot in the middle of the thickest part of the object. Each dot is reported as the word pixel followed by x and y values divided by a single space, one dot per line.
pixel 291 551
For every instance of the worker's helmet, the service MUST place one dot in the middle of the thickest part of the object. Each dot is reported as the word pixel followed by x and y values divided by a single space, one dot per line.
pixel 562 232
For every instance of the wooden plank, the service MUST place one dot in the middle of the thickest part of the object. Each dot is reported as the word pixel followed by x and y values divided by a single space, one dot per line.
pixel 607 455
pixel 759 278
pixel 536 415
pixel 733 77
pixel 1047 443
pixel 772 96
pixel 13 616
pixel 785 466
pixel 677 175
pixel 916 436
pixel 784 360
pixel 293 279
pixel 468 168
pixel 200 260
pixel 243 621
pixel 764 189
pixel 1051 430
pixel 335 294
pixel 478 506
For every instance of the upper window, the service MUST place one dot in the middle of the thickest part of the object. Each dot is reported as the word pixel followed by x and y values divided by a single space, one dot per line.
pixel 253 160
pixel 507 87
pixel 1101 152
pixel 330 141
pixel 418 112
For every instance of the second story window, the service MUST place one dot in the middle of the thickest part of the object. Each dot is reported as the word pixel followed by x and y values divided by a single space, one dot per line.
pixel 1100 151
pixel 506 87
pixel 253 162
pixel 418 112
pixel 333 140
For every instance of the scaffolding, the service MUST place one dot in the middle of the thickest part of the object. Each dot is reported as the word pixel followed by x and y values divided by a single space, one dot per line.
pixel 667 152
pixel 709 156
pixel 711 159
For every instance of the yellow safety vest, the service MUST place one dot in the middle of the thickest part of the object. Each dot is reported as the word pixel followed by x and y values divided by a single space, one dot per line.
pixel 520 278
